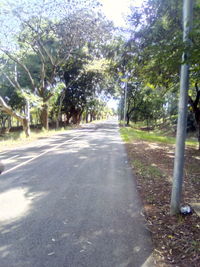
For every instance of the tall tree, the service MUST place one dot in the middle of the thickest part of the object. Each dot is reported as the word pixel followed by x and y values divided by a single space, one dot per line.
pixel 157 40
pixel 52 39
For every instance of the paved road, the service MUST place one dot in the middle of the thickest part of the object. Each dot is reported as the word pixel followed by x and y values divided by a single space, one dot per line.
pixel 71 201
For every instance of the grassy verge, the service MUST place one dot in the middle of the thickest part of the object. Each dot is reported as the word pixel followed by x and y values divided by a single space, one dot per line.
pixel 129 134
pixel 176 239
pixel 14 139
pixel 147 171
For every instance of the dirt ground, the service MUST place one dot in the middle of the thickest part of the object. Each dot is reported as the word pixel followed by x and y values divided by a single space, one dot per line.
pixel 176 238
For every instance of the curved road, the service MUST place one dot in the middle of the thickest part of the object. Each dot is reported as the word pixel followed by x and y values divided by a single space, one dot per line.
pixel 70 201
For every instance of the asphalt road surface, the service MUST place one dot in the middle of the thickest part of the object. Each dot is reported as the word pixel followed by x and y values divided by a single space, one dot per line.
pixel 70 201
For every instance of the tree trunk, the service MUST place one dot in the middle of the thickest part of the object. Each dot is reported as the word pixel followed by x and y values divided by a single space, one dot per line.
pixel 127 119
pixel 76 118
pixel 196 110
pixel 59 116
pixel 86 117
pixel 68 115
pixel 80 116
pixel 4 122
pixel 22 119
pixel 57 123
pixel 197 118
pixel 26 127
pixel 44 116
pixel 91 117
pixel 198 132
pixel 9 123
pixel 26 121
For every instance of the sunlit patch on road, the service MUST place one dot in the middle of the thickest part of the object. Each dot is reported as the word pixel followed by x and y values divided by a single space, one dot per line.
pixel 15 203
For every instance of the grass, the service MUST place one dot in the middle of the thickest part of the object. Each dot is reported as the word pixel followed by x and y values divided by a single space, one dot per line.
pixel 128 134
pixel 153 168
pixel 18 138
pixel 147 171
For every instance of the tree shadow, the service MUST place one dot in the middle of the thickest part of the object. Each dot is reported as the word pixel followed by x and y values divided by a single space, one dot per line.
pixel 75 206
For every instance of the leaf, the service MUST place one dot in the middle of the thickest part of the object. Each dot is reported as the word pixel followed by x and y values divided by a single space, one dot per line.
pixel 51 253
pixel 124 80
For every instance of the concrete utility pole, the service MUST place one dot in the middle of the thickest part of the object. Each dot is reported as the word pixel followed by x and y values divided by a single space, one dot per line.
pixel 182 113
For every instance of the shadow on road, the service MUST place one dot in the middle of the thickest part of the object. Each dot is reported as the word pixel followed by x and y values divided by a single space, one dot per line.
pixel 75 206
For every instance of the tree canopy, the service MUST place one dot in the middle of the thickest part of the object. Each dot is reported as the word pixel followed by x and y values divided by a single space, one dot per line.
pixel 64 55
pixel 50 40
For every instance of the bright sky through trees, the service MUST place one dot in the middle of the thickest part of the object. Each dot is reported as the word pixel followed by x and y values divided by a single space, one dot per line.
pixel 116 10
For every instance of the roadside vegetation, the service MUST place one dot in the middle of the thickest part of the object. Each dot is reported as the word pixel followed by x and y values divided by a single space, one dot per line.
pixel 152 60
pixel 60 61
pixel 65 59
pixel 136 133
pixel 176 239
pixel 55 65
pixel 18 138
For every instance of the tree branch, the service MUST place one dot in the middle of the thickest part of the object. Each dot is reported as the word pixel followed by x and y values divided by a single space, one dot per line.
pixel 14 83
pixel 46 52
pixel 7 109
pixel 38 42
pixel 22 65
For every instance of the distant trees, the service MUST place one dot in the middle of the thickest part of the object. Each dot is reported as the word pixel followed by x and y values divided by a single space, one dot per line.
pixel 14 102
pixel 78 95
pixel 23 119
pixel 61 57
pixel 50 37
pixel 152 59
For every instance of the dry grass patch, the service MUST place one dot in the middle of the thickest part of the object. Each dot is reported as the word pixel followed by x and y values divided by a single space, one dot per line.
pixel 176 239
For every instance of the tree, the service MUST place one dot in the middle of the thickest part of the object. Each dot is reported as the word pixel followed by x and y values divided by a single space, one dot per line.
pixel 51 39
pixel 157 32
pixel 23 119
pixel 79 94
pixel 157 42
pixel 15 101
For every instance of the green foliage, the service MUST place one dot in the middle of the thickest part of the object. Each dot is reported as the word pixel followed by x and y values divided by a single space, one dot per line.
pixel 129 134
pixel 17 138
pixel 147 171
pixel 157 37
pixel 55 39
pixel 151 60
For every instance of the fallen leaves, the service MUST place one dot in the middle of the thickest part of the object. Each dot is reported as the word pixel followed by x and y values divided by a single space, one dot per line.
pixel 51 253
pixel 176 238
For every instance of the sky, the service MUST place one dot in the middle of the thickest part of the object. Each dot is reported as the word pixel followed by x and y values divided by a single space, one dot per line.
pixel 116 9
